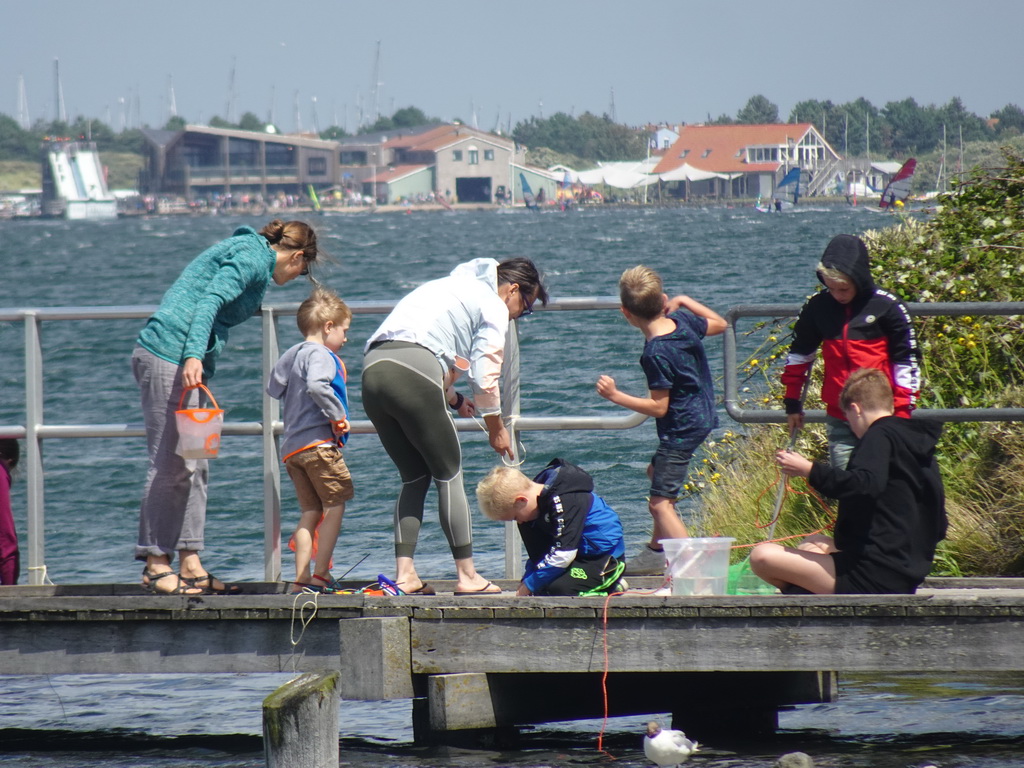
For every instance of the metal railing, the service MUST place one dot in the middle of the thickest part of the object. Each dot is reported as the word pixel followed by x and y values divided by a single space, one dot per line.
pixel 36 429
pixel 730 361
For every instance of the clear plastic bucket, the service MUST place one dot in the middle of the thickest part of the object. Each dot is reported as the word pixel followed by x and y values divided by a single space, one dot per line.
pixel 698 566
pixel 198 428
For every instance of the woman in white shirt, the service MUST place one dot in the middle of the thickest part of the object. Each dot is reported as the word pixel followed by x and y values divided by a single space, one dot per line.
pixel 443 328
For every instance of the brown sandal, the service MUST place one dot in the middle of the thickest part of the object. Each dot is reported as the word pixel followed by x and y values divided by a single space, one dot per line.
pixel 209 588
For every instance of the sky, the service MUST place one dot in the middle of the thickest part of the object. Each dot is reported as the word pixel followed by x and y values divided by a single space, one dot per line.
pixel 310 64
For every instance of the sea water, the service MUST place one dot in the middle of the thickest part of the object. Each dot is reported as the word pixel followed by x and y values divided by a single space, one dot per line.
pixel 721 256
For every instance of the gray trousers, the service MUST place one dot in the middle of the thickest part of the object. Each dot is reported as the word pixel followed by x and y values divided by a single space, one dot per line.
pixel 841 441
pixel 173 512
pixel 403 395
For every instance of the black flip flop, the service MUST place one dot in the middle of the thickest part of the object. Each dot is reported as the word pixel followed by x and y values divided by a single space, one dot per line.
pixel 478 592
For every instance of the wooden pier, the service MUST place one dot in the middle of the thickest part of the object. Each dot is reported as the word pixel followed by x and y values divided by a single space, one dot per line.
pixel 501 661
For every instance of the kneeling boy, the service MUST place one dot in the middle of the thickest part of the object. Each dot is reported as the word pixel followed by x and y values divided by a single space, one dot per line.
pixel 573 538
pixel 891 504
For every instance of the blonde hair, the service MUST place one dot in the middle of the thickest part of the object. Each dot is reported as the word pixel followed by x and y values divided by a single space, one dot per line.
pixel 322 306
pixel 496 493
pixel 641 292
pixel 869 388
pixel 828 273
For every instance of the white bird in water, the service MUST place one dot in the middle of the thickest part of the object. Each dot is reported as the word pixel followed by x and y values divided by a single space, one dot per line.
pixel 667 747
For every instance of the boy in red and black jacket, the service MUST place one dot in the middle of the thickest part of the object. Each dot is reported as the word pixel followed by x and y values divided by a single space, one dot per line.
pixel 857 325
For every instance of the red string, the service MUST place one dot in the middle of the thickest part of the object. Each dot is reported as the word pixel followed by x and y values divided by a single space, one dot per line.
pixel 604 676
pixel 604 611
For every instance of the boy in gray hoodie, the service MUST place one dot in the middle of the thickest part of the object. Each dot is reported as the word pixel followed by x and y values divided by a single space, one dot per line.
pixel 309 380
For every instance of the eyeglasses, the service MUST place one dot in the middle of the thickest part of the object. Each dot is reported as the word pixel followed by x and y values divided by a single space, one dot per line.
pixel 527 305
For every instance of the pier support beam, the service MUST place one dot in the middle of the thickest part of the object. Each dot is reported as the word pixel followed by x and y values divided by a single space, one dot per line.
pixel 375 658
pixel 300 723
pixel 461 707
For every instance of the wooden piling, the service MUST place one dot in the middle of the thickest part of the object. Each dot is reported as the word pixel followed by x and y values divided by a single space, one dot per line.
pixel 300 722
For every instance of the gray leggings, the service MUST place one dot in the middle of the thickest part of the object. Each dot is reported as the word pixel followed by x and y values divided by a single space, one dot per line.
pixel 173 512
pixel 403 394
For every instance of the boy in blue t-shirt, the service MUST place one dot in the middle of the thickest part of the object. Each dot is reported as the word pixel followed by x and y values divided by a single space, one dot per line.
pixel 681 396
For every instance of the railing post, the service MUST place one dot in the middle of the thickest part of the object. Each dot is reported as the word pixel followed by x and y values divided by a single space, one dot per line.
pixel 510 407
pixel 271 457
pixel 34 449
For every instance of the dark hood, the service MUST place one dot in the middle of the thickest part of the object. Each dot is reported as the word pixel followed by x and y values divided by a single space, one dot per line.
pixel 849 255
pixel 560 476
pixel 918 436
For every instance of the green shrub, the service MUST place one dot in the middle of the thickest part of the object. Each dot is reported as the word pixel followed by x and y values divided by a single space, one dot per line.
pixel 971 250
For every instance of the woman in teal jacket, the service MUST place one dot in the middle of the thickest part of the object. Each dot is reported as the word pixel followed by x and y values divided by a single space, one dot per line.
pixel 178 349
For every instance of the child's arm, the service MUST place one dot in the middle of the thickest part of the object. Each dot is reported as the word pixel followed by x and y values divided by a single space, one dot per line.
pixel 655 405
pixel 716 323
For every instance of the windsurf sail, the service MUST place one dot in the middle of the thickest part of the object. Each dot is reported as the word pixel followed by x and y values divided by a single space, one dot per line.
pixel 528 198
pixel 790 185
pixel 314 198
pixel 566 196
pixel 898 189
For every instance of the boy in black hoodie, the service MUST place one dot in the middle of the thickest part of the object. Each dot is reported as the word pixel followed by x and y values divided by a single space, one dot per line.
pixel 891 504
pixel 857 325
pixel 573 539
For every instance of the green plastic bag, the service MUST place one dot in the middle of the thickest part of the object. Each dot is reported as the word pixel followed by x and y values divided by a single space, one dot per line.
pixel 743 581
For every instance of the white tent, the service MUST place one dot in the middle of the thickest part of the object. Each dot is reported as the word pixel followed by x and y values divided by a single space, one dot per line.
pixel 627 175
pixel 687 172
pixel 559 172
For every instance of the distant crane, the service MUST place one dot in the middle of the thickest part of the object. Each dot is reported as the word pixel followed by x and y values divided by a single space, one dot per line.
pixel 23 118
pixel 61 111
pixel 172 104
pixel 229 108
pixel 375 88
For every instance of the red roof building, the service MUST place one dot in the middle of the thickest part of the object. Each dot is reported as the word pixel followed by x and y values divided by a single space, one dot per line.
pixel 744 160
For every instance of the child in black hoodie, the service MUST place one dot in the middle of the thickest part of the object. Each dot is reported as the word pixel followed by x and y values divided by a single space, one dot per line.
pixel 891 504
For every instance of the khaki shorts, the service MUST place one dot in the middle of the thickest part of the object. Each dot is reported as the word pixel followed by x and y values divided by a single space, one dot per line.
pixel 320 477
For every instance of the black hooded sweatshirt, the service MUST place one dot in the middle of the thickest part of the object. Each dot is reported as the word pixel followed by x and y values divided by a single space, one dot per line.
pixel 892 510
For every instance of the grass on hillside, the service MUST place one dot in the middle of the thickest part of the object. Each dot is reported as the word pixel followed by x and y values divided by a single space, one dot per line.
pixel 122 172
pixel 16 175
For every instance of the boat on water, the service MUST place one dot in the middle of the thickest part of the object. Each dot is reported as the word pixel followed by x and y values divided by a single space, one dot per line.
pixel 75 183
pixel 898 189
pixel 528 197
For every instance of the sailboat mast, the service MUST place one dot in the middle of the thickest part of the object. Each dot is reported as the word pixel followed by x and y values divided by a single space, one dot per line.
pixel 940 183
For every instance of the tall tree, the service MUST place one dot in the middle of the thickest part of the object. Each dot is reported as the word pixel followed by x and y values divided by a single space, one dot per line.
pixel 758 111
pixel 829 119
pixel 588 136
pixel 957 118
pixel 409 117
pixel 908 128
pixel 249 122
pixel 15 142
pixel 1011 120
